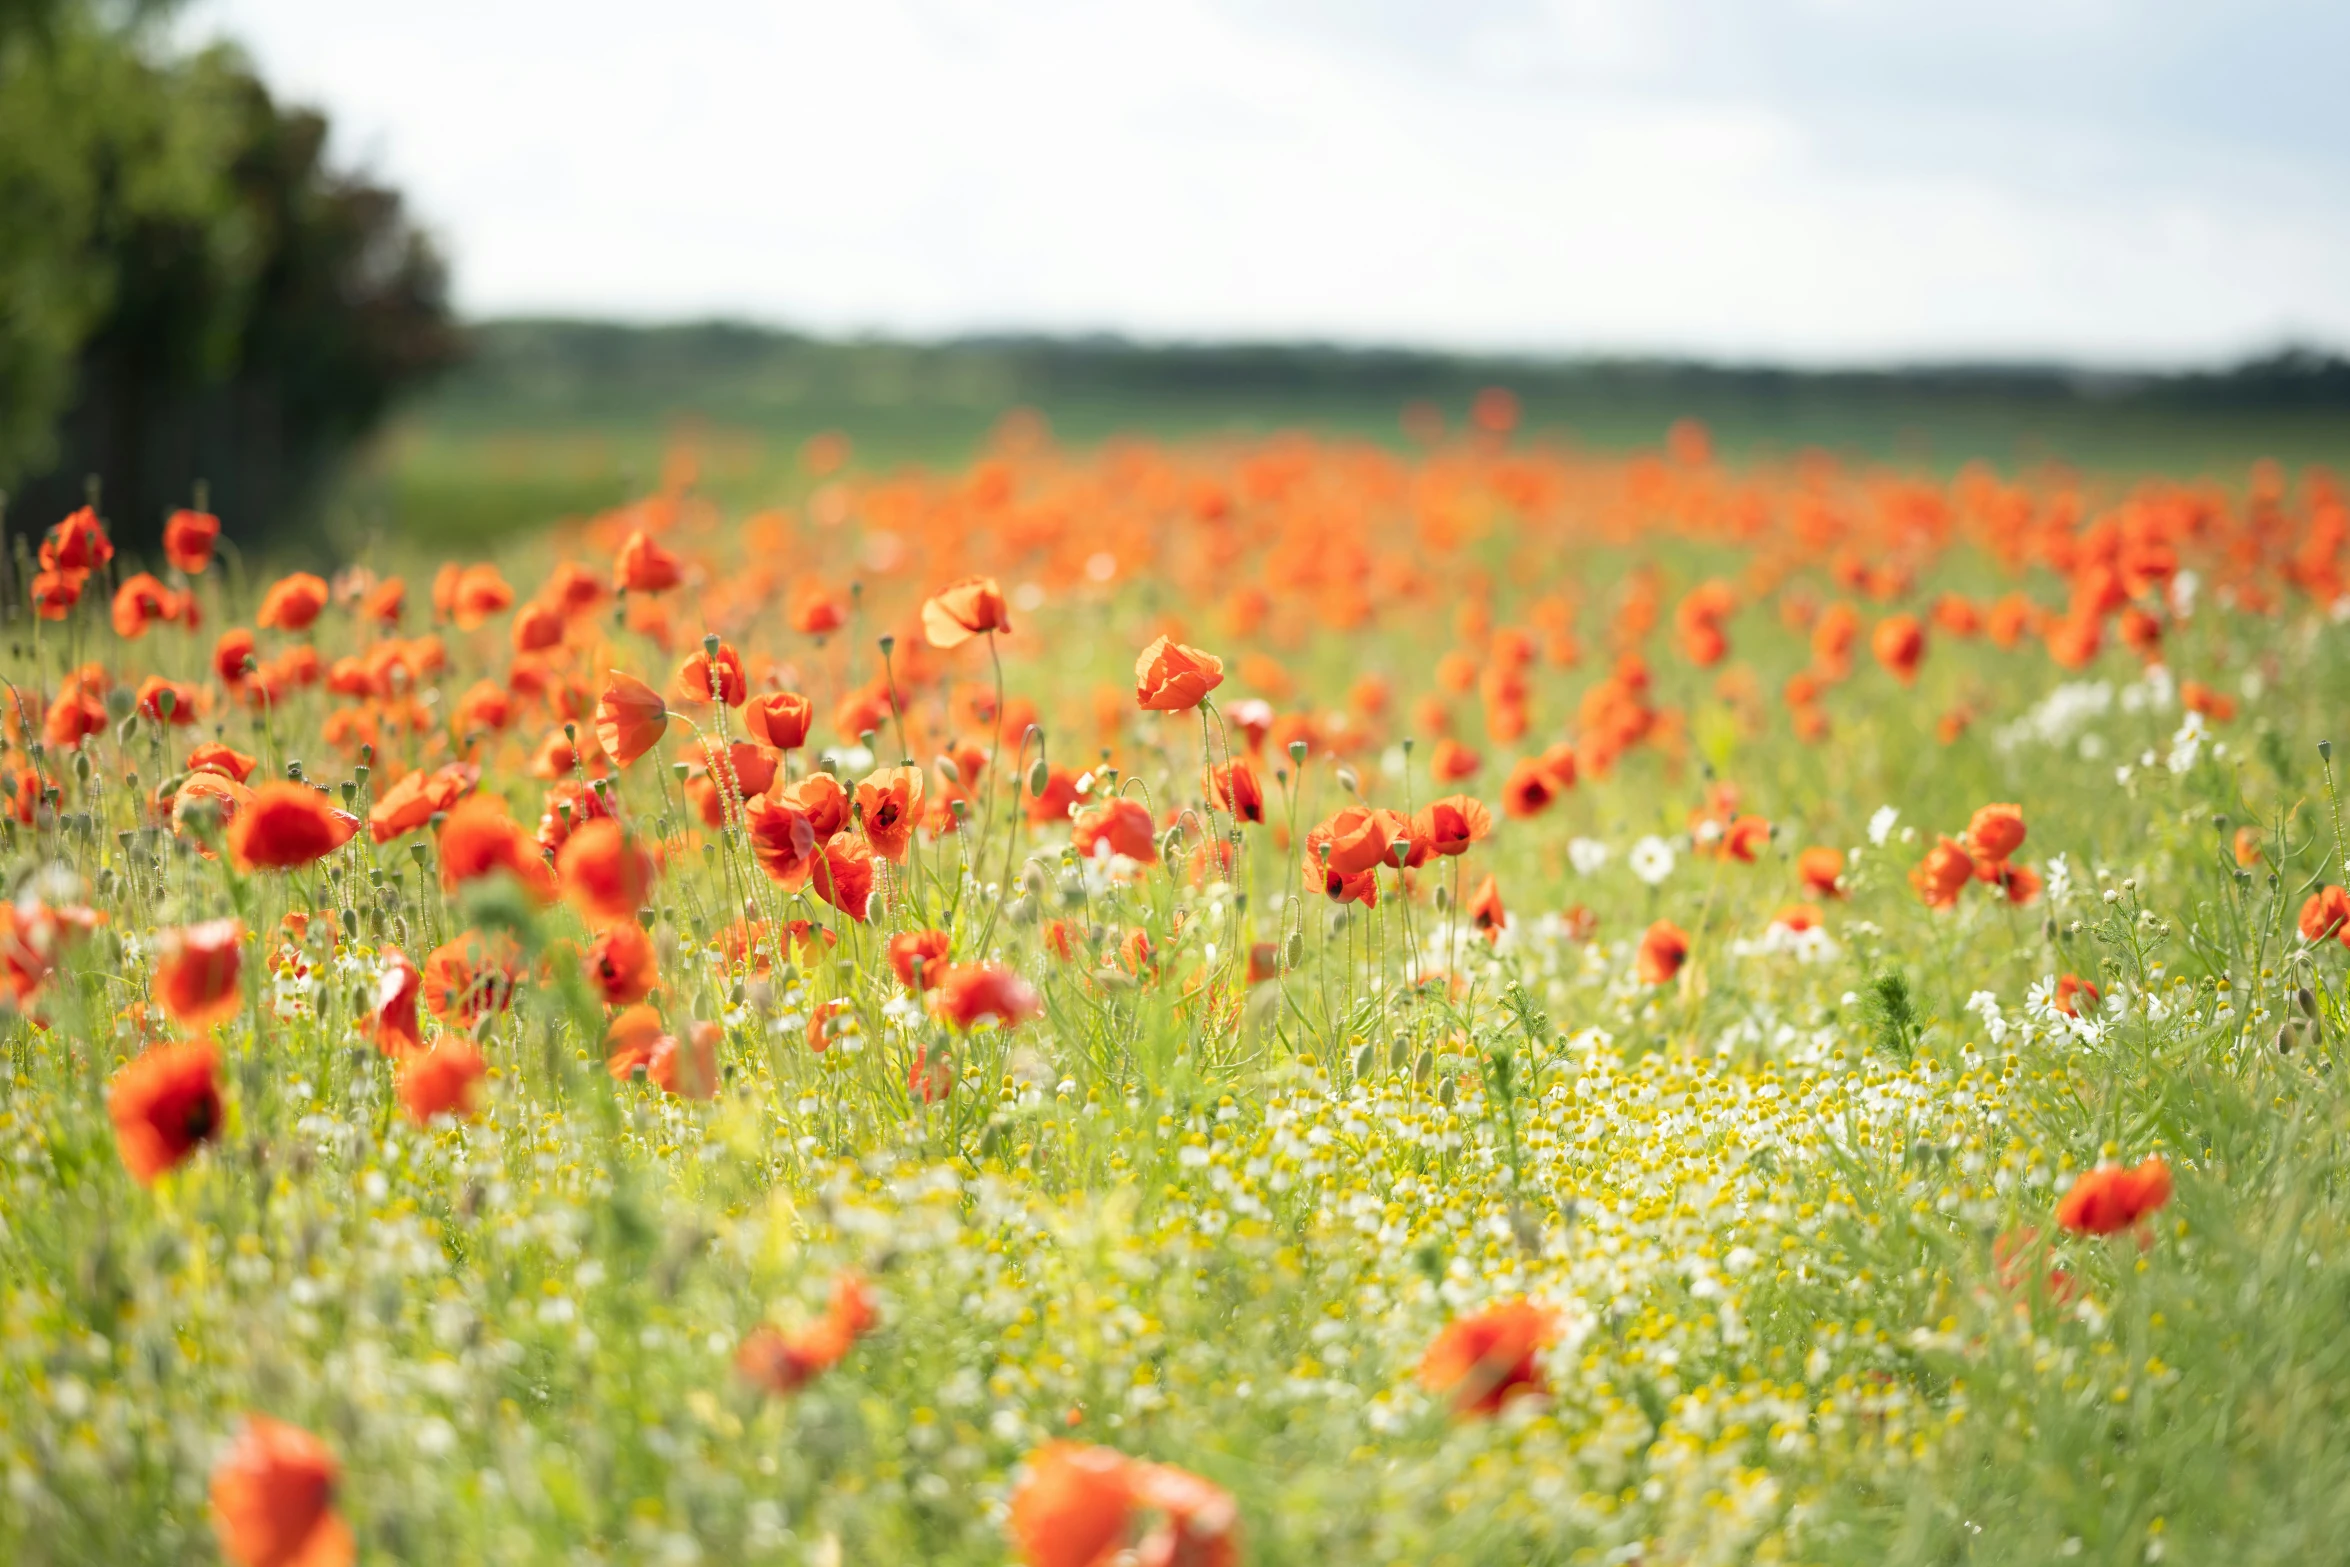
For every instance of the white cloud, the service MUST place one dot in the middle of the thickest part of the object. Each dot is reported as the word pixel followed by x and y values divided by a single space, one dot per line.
pixel 1580 174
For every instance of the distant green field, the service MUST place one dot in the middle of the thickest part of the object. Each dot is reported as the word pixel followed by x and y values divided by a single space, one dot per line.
pixel 560 419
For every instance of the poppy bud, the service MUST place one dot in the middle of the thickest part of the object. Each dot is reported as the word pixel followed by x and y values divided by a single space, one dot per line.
pixel 2325 750
pixel 710 644
pixel 1448 1093
pixel 1297 752
pixel 1363 1060
pixel 1425 1066
pixel 1297 950
pixel 948 770
pixel 2306 1000
pixel 1348 781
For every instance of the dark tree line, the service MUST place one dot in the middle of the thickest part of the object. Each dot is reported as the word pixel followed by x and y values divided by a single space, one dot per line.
pixel 189 290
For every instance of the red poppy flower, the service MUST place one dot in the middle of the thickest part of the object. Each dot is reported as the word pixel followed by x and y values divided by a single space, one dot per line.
pixel 392 1011
pixel 165 1104
pixel 188 537
pixel 481 591
pixel 292 603
pixel 1529 789
pixel 1172 678
pixel 786 1362
pixel 955 615
pixel 1117 826
pixel 919 957
pixel 630 718
pixel 1996 831
pixel 418 797
pixel 629 1043
pixel 72 718
pixel 445 1080
pixel 196 970
pixel 479 839
pixel 1236 787
pixel 1664 947
pixel 620 963
pixel 78 543
pixel 815 612
pixel 206 803
pixel 1365 837
pixel 823 801
pixel 706 679
pixel 687 1068
pixel 889 804
pixel 164 701
pixel 843 874
pixel 604 874
pixel 1822 870
pixel 1451 824
pixel 779 719
pixel 2326 913
pixel 2112 1198
pixel 471 977
pixel 1482 1361
pixel 968 993
pixel 285 825
pixel 214 757
pixel 643 566
pixel 230 655
pixel 273 1500
pixel 139 602
pixel 1943 874
pixel 1486 911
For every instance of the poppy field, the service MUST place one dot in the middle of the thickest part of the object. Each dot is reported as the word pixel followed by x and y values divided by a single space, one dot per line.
pixel 1253 1000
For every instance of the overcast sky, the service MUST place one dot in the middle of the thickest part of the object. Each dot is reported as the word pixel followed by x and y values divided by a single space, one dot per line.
pixel 2125 181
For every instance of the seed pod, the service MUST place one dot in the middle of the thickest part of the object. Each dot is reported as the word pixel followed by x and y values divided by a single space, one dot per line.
pixel 1297 752
pixel 1363 1061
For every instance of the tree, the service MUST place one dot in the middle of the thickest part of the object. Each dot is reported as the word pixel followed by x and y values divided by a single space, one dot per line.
pixel 187 289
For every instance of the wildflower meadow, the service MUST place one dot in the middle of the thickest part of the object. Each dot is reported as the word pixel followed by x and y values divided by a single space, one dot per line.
pixel 1268 1000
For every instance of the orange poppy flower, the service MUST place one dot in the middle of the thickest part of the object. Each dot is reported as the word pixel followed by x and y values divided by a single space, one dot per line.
pixel 470 977
pixel 1943 874
pixel 1118 826
pixel 1899 643
pixel 166 701
pixel 188 537
pixel 1482 1361
pixel 445 1080
pixel 968 994
pixel 604 874
pixel 631 1040
pixel 2021 883
pixel 1076 1508
pixel 1485 910
pixel 72 718
pixel 1798 917
pixel 1364 837
pixel 889 804
pixel 2112 1198
pixel 687 1068
pixel 1450 761
pixel 227 761
pixel 825 803
pixel 1745 838
pixel 643 566
pixel 2246 847
pixel 620 963
pixel 720 679
pixel 1451 824
pixel 418 797
pixel 2069 989
pixel 292 603
pixel 479 839
pixel 1529 789
pixel 779 719
pixel 2326 913
pixel 165 1103
pixel 973 606
pixel 828 1022
pixel 783 840
pixel 139 602
pixel 1822 870
pixel 630 718
pixel 1236 787
pixel 1996 831
pixel 1337 886
pixel 392 1013
pixel 785 1363
pixel 918 957
pixel 78 543
pixel 843 874
pixel 284 825
pixel 273 1500
pixel 1172 678
pixel 196 970
pixel 1664 947
pixel 815 612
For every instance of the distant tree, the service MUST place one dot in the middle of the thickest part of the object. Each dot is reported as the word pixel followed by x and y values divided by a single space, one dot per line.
pixel 187 289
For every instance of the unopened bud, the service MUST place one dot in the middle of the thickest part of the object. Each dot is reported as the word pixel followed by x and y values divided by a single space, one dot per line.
pixel 1040 778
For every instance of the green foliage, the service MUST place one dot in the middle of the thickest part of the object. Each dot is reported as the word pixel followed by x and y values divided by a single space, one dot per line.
pixel 191 292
